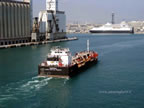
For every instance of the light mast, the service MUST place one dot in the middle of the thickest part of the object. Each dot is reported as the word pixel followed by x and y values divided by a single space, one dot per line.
pixel 113 18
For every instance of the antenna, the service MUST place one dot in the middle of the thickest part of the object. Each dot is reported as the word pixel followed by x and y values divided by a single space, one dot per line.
pixel 88 45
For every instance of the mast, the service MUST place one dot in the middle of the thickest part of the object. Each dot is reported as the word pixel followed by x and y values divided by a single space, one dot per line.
pixel 88 45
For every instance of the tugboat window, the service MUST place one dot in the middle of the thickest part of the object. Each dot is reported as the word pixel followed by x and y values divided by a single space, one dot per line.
pixel 53 59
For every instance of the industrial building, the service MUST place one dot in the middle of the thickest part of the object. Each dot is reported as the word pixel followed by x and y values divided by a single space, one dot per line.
pixel 17 26
pixel 15 22
pixel 52 22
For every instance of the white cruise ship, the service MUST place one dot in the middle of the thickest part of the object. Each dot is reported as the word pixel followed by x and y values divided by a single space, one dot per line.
pixel 113 28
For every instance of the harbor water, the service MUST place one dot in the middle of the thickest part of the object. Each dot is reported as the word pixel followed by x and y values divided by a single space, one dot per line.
pixel 116 81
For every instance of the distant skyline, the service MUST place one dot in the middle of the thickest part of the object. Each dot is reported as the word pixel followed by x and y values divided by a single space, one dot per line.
pixel 97 11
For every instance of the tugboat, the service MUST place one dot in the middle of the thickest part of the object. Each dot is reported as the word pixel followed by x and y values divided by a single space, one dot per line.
pixel 61 64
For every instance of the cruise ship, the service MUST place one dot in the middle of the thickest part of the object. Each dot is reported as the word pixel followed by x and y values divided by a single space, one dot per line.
pixel 113 28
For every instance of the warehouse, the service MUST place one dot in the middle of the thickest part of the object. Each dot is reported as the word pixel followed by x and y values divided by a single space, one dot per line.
pixel 15 22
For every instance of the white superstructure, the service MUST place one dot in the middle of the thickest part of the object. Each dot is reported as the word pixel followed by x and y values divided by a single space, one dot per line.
pixel 59 56
pixel 52 21
pixel 113 28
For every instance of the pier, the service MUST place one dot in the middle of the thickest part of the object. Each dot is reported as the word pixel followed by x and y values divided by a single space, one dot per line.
pixel 37 43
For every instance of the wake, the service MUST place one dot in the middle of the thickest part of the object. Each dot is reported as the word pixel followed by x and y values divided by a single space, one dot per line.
pixel 24 89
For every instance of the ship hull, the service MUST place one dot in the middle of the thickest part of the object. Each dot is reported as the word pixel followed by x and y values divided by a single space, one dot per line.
pixel 119 32
pixel 64 72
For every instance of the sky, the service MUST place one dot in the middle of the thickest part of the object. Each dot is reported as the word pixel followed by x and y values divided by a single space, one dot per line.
pixel 97 11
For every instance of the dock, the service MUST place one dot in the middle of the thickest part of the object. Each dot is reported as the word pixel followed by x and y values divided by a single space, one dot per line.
pixel 37 43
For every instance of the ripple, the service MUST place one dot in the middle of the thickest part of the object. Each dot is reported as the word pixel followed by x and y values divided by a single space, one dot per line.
pixel 120 46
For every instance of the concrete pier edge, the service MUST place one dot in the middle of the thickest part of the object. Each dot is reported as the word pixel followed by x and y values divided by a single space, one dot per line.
pixel 37 43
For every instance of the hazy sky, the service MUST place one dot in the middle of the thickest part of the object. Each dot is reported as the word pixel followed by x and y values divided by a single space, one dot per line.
pixel 97 11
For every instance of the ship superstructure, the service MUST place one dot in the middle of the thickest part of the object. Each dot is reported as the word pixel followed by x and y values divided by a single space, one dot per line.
pixel 59 57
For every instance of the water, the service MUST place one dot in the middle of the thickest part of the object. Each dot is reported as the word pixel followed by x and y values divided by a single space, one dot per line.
pixel 117 81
